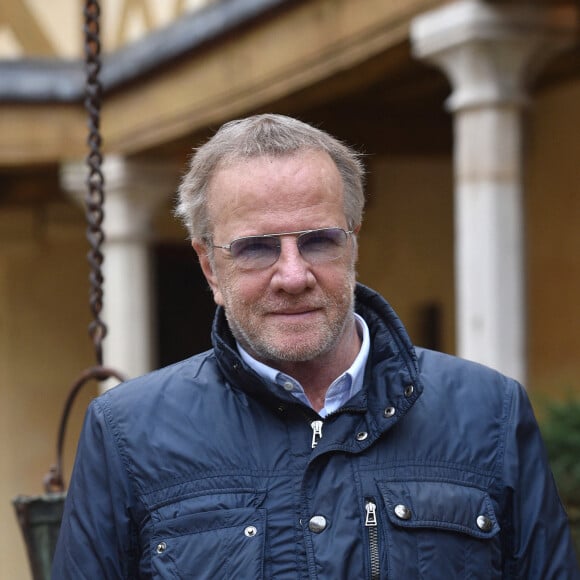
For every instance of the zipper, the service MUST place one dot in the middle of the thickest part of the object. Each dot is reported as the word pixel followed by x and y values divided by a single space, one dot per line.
pixel 371 524
pixel 316 432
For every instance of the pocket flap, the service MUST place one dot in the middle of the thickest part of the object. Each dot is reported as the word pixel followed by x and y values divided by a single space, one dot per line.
pixel 440 504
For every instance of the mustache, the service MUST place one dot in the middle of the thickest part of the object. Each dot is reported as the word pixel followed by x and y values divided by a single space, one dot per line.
pixel 312 300
pixel 300 304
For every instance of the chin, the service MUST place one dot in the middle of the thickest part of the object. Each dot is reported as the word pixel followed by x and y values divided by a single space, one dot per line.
pixel 299 351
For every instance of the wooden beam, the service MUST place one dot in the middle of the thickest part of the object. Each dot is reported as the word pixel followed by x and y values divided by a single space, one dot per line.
pixel 29 33
pixel 318 50
pixel 296 48
pixel 41 133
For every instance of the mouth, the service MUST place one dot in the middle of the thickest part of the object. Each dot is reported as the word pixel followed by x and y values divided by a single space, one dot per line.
pixel 295 313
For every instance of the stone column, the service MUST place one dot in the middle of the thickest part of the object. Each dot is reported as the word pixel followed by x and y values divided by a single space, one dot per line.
pixel 133 191
pixel 490 53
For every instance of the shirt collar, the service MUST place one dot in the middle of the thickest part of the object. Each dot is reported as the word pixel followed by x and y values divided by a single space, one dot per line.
pixel 342 388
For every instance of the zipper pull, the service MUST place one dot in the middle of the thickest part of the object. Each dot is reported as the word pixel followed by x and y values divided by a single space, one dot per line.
pixel 371 517
pixel 373 535
pixel 316 432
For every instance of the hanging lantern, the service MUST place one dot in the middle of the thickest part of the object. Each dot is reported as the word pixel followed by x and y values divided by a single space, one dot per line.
pixel 40 518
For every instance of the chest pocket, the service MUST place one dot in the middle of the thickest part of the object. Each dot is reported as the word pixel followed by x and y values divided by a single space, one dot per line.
pixel 210 536
pixel 440 530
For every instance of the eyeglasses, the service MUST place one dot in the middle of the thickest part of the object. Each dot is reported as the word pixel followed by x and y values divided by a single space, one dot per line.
pixel 315 246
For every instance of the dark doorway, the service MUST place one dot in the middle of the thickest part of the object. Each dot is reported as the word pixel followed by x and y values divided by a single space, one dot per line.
pixel 185 306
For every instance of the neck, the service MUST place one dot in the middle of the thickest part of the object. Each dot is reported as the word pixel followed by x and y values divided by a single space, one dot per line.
pixel 317 375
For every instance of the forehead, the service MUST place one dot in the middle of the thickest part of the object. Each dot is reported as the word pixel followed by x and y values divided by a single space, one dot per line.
pixel 303 190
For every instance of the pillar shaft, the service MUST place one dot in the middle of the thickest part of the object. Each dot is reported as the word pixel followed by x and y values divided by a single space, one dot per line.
pixel 489 240
pixel 127 304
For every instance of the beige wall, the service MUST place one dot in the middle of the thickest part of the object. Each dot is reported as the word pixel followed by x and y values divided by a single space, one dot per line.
pixel 43 347
pixel 553 220
pixel 406 244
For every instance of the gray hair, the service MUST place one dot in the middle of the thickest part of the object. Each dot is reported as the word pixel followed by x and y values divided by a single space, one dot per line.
pixel 264 135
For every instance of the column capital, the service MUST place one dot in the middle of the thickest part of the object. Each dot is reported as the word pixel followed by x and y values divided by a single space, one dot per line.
pixel 134 189
pixel 491 52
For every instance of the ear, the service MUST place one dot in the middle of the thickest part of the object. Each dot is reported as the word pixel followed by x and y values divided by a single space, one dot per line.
pixel 207 268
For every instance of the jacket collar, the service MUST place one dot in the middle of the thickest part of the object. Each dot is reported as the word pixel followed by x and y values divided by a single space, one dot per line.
pixel 391 377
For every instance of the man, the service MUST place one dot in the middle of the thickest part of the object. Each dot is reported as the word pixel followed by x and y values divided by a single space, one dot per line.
pixel 313 440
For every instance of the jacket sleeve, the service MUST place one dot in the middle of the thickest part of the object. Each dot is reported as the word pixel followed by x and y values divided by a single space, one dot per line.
pixel 96 538
pixel 540 543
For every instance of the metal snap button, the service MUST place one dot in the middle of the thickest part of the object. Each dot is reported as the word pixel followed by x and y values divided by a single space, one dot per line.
pixel 484 523
pixel 288 386
pixel 389 412
pixel 403 512
pixel 317 524
pixel 409 390
pixel 161 547
pixel 250 531
pixel 361 436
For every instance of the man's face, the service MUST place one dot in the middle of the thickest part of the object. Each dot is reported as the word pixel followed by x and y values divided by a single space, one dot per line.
pixel 292 310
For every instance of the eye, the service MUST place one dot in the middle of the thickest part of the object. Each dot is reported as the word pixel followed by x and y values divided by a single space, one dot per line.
pixel 322 240
pixel 254 247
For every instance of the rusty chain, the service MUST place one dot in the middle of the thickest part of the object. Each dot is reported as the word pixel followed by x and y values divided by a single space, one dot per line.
pixel 95 197
pixel 95 180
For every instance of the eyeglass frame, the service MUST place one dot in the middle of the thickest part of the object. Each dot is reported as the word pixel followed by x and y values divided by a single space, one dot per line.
pixel 297 234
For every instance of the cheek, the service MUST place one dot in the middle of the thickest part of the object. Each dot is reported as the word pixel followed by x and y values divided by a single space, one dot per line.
pixel 237 288
pixel 337 277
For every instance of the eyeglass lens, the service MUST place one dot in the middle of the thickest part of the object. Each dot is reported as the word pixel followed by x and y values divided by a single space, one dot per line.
pixel 317 246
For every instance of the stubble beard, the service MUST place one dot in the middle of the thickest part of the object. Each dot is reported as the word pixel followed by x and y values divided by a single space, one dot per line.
pixel 275 344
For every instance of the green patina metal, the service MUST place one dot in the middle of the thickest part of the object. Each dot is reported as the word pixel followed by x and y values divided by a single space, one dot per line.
pixel 40 518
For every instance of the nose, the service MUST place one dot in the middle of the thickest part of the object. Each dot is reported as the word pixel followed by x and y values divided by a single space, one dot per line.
pixel 292 273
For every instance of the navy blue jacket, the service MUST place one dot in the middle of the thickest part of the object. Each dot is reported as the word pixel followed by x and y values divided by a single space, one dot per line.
pixel 436 470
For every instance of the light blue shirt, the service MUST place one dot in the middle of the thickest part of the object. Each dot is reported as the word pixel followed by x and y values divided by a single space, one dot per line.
pixel 342 388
